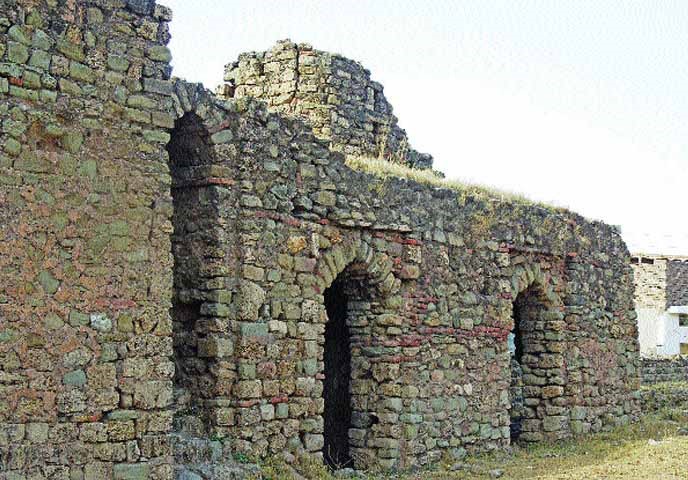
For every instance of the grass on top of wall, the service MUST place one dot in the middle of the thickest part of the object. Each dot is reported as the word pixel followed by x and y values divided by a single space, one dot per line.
pixel 388 169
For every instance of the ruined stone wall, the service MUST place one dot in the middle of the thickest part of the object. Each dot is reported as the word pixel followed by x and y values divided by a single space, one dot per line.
pixel 660 281
pixel 650 278
pixel 334 94
pixel 165 257
pixel 85 263
pixel 430 276
pixel 677 283
pixel 658 370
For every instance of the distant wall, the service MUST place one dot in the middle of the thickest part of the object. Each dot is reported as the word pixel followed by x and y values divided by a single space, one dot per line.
pixel 661 290
pixel 677 283
pixel 650 278
pixel 658 370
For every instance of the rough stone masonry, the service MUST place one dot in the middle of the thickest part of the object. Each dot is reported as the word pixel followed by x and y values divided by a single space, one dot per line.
pixel 186 278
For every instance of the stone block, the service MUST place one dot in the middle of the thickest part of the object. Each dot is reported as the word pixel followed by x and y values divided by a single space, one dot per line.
pixel 313 442
pixel 19 34
pixel 152 394
pixel 73 51
pixel 17 52
pixel 248 389
pixel 76 378
pixel 223 136
pixel 552 391
pixel 49 283
pixel 163 87
pixel 101 322
pixel 267 412
pixel 118 63
pixel 215 347
pixel 131 472
pixel 142 7
pixel 79 71
pixel 40 60
pixel 159 53
pixel 249 300
pixel 553 423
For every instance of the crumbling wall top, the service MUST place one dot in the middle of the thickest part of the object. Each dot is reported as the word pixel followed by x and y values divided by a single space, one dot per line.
pixel 334 94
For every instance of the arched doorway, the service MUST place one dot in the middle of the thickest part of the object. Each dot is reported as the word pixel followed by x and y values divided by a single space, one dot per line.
pixel 536 362
pixel 337 384
pixel 516 343
pixel 198 346
pixel 355 301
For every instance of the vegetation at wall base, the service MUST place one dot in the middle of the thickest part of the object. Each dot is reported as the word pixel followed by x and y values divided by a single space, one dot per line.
pixel 652 449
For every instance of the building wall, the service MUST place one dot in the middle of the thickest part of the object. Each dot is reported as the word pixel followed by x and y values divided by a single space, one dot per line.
pixel 85 263
pixel 165 253
pixel 677 283
pixel 650 278
pixel 661 284
pixel 651 335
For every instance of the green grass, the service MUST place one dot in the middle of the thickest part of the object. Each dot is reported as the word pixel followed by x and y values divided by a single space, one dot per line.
pixel 623 453
pixel 387 169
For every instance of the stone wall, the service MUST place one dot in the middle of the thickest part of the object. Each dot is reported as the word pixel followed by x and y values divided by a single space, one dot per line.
pixel 334 94
pixel 659 370
pixel 85 264
pixel 659 397
pixel 432 276
pixel 168 261
pixel 677 283
pixel 650 278
pixel 661 282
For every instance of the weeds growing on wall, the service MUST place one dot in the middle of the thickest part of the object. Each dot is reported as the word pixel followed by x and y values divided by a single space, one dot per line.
pixel 384 168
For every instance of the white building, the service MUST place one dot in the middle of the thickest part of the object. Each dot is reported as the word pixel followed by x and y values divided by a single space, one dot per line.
pixel 661 299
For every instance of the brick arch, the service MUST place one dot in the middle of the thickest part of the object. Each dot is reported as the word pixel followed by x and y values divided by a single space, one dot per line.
pixel 203 357
pixel 531 275
pixel 214 114
pixel 377 266
pixel 538 324
pixel 362 279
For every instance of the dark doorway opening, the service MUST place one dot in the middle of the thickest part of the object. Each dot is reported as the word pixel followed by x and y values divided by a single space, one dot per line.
pixel 337 391
pixel 516 350
pixel 189 149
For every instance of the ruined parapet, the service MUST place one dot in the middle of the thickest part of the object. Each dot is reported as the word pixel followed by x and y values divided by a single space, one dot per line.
pixel 334 94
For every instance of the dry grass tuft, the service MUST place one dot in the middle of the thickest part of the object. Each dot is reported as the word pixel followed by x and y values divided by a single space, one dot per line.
pixel 389 169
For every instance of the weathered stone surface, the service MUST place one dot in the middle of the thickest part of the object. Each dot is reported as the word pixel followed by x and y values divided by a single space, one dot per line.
pixel 170 260
pixel 336 96
pixel 144 7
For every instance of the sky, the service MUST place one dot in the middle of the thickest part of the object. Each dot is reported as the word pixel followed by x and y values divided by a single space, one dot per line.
pixel 582 104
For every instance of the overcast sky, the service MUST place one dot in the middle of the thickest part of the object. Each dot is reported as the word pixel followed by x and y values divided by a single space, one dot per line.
pixel 579 103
